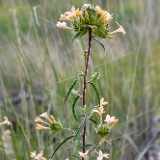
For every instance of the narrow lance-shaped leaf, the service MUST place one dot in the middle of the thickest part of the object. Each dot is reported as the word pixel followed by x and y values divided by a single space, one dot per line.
pixel 95 76
pixel 72 86
pixel 101 44
pixel 80 128
pixel 73 108
pixel 95 89
pixel 64 141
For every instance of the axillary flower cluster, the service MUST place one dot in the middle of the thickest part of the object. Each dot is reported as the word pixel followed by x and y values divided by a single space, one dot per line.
pixel 44 122
pixel 105 126
pixel 89 17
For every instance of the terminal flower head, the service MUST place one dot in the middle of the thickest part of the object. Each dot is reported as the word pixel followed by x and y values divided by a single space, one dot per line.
pixel 88 17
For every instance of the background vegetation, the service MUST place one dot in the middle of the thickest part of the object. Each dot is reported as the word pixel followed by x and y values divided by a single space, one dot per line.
pixel 38 63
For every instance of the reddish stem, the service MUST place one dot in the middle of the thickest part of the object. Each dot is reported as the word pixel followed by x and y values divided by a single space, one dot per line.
pixel 85 83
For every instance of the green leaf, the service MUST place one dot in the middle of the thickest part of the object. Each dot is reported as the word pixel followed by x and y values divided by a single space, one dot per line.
pixel 73 108
pixel 95 89
pixel 72 86
pixel 1 146
pixel 80 128
pixel 93 121
pixel 101 44
pixel 79 34
pixel 95 76
pixel 64 141
pixel 88 145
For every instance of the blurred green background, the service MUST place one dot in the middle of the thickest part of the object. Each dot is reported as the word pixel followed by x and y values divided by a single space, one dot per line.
pixel 39 62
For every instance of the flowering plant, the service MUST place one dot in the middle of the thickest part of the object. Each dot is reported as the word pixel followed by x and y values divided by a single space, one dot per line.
pixel 94 21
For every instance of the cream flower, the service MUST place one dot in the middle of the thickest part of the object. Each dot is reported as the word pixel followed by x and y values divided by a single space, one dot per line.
pixel 40 127
pixel 108 17
pixel 69 15
pixel 101 155
pixel 109 119
pixel 85 6
pixel 45 115
pixel 119 30
pixel 100 110
pixel 38 156
pixel 98 10
pixel 6 121
pixel 102 102
pixel 63 25
pixel 39 120
pixel 84 155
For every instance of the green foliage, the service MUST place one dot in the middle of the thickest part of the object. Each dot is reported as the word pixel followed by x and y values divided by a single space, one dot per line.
pixel 59 146
pixel 72 86
pixel 103 130
pixel 80 128
pixel 96 91
pixel 73 108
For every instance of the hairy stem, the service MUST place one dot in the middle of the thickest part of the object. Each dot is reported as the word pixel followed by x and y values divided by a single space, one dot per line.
pixel 85 83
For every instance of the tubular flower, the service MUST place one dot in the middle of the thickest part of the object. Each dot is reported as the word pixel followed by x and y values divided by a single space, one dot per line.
pixel 98 10
pixel 119 30
pixel 101 155
pixel 78 13
pixel 100 110
pixel 47 123
pixel 88 17
pixel 63 25
pixel 84 155
pixel 38 156
pixel 111 121
pixel 6 121
pixel 105 128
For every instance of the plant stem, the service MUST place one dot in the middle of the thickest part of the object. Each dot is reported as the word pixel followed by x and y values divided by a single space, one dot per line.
pixel 94 146
pixel 85 83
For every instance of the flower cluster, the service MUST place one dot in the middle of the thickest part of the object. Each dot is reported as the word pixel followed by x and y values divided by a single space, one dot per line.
pixel 101 155
pixel 49 124
pixel 104 128
pixel 89 17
